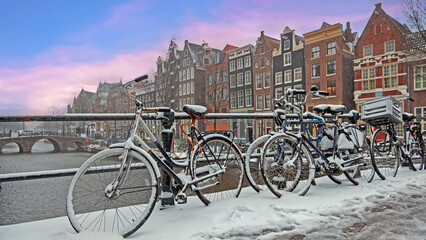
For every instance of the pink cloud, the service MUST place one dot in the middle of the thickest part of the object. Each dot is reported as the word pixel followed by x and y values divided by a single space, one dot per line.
pixel 40 88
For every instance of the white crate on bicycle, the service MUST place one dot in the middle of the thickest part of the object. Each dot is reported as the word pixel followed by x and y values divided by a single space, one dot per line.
pixel 381 111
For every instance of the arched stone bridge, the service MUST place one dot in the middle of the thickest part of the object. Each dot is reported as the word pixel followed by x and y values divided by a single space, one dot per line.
pixel 59 143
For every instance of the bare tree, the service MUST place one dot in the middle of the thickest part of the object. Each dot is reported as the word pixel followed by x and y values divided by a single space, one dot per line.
pixel 415 11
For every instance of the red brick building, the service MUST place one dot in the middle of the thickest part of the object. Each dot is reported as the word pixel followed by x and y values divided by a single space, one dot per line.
pixel 263 88
pixel 380 67
pixel 328 64
pixel 217 88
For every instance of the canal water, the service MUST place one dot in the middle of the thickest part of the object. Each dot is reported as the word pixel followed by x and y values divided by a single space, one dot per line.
pixel 31 200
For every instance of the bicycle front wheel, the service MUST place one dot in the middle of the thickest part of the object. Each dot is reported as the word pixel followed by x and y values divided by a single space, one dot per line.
pixel 385 154
pixel 252 162
pixel 285 167
pixel 95 204
pixel 217 157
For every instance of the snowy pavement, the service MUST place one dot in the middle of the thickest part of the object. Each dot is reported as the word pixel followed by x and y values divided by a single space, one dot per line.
pixel 390 209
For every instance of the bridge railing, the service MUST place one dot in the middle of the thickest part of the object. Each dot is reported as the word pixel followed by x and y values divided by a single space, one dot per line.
pixel 240 121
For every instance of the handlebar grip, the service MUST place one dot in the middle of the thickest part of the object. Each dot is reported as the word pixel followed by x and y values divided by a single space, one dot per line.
pixel 299 91
pixel 141 78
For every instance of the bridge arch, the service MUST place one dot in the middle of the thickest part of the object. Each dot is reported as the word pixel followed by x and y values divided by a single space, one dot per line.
pixel 20 147
pixel 54 142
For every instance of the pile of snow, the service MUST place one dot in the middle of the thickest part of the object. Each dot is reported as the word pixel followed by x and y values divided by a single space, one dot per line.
pixel 391 209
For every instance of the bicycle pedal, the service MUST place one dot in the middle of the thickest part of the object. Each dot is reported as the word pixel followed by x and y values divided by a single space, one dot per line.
pixel 181 198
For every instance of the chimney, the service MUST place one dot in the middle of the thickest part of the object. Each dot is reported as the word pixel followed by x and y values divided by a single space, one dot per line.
pixel 378 6
pixel 348 33
pixel 262 33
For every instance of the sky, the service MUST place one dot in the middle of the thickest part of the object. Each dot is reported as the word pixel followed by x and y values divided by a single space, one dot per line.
pixel 50 50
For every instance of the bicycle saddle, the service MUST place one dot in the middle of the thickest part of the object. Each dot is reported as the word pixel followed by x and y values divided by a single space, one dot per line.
pixel 408 116
pixel 195 111
pixel 329 108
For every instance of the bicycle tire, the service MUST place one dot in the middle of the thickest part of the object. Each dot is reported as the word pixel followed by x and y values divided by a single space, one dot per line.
pixel 124 212
pixel 416 148
pixel 217 153
pixel 252 162
pixel 364 173
pixel 289 171
pixel 385 155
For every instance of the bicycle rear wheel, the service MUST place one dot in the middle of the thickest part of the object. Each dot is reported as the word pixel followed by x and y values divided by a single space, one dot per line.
pixel 252 162
pixel 92 206
pixel 385 154
pixel 283 168
pixel 359 157
pixel 214 154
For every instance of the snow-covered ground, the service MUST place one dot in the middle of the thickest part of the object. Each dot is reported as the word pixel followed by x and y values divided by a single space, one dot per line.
pixel 391 209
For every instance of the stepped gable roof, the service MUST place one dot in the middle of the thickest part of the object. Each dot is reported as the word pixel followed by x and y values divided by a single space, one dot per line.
pixel 416 41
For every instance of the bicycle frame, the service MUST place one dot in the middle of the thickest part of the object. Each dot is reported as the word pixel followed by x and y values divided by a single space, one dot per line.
pixel 134 142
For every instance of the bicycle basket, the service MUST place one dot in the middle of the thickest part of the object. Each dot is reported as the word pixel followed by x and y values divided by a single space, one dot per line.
pixel 381 111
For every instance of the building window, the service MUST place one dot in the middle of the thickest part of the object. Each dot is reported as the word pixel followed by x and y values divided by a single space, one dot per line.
pixel 180 75
pixel 232 66
pixel 420 113
pixel 420 77
pixel 267 101
pixel 241 98
pixel 224 93
pixel 298 74
pixel 217 78
pixel 240 63
pixel 315 70
pixel 248 77
pixel 378 28
pixel 278 92
pixel 218 92
pixel 185 53
pixel 331 67
pixel 192 87
pixel 240 79
pixel 210 80
pixel 192 72
pixel 209 96
pixel 316 52
pixel 262 62
pixel 368 51
pixel 247 61
pixel 278 77
pixel 206 61
pixel 249 98
pixel 287 59
pixel 331 88
pixel 390 46
pixel 390 79
pixel 368 79
pixel 225 76
pixel 267 79
pixel 233 81
pixel 184 75
pixel 287 76
pixel 331 48
pixel 258 81
pixel 259 102
pixel 286 44
pixel 233 100
pixel 262 49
